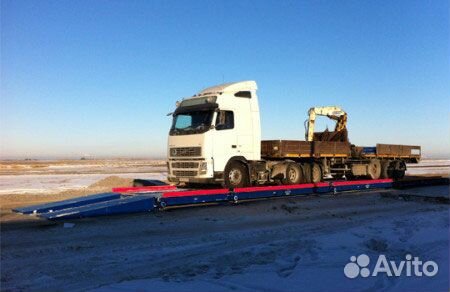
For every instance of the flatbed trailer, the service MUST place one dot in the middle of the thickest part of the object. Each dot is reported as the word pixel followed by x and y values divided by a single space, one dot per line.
pixel 277 149
pixel 340 158
pixel 273 149
pixel 161 197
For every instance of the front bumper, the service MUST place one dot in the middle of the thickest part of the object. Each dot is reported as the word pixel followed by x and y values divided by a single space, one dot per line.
pixel 190 170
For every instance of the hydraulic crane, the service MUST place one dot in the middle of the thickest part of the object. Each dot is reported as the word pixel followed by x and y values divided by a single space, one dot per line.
pixel 333 112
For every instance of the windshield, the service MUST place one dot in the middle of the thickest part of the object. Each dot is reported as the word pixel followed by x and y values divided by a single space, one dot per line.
pixel 194 122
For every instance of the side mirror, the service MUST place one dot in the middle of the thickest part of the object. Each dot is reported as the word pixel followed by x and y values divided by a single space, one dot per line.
pixel 169 114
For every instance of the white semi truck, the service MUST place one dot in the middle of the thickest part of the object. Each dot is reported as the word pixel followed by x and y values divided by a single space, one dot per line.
pixel 215 137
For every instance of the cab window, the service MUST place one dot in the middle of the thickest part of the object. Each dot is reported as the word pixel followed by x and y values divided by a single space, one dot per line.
pixel 224 120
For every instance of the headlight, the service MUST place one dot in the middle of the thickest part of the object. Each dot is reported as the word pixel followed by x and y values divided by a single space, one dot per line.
pixel 203 167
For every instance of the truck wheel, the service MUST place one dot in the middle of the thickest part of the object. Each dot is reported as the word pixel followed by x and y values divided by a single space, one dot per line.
pixel 387 169
pixel 236 175
pixel 349 176
pixel 399 169
pixel 294 174
pixel 316 173
pixel 374 169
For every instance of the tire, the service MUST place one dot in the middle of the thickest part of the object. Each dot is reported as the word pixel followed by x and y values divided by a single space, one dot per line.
pixel 236 175
pixel 387 170
pixel 399 169
pixel 316 173
pixel 349 176
pixel 374 169
pixel 306 172
pixel 294 174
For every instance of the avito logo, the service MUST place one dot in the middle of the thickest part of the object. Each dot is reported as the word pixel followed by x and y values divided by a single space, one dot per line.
pixel 359 266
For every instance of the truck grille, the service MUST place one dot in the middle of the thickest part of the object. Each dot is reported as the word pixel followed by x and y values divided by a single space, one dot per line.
pixel 185 151
pixel 181 173
pixel 185 164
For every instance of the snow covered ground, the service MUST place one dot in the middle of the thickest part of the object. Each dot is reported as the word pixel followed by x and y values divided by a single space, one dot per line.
pixel 53 183
pixel 21 167
pixel 49 177
pixel 429 167
pixel 288 244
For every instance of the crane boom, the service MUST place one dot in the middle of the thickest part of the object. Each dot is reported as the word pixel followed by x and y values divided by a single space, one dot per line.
pixel 333 112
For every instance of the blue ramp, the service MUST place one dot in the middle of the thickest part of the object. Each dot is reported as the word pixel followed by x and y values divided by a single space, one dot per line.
pixel 122 205
pixel 71 203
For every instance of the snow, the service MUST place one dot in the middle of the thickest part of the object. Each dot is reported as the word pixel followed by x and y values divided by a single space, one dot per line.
pixel 429 167
pixel 45 177
pixel 314 261
pixel 53 183
pixel 288 244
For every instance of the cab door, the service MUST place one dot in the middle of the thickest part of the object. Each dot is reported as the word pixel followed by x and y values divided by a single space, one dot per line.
pixel 225 139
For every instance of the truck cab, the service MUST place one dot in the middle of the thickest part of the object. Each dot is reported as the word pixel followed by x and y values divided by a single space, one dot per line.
pixel 211 130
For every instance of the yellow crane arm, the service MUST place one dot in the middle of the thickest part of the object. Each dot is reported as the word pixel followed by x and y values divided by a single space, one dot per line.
pixel 333 112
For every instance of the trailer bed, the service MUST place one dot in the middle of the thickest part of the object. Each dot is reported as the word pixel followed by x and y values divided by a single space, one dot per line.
pixel 409 153
pixel 296 148
pixel 272 149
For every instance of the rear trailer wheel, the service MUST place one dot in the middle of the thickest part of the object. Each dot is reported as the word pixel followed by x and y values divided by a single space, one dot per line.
pixel 399 169
pixel 387 169
pixel 236 175
pixel 316 173
pixel 374 169
pixel 350 176
pixel 294 174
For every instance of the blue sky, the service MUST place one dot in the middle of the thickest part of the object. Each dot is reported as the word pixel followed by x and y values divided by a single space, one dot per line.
pixel 98 77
